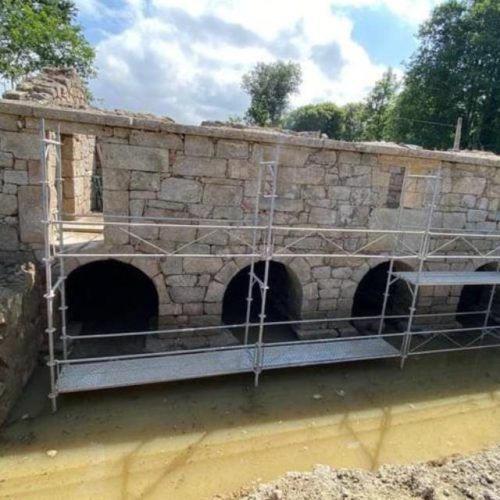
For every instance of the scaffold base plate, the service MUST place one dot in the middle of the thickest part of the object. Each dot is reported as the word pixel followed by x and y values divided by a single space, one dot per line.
pixel 94 375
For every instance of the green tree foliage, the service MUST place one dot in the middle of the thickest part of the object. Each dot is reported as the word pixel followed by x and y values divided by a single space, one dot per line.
pixel 326 117
pixel 367 120
pixel 38 33
pixel 353 121
pixel 455 72
pixel 269 87
pixel 377 107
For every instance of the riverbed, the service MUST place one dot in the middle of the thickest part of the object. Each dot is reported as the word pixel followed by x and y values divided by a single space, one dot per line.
pixel 200 438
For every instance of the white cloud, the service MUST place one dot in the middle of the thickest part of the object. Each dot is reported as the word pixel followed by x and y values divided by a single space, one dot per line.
pixel 185 58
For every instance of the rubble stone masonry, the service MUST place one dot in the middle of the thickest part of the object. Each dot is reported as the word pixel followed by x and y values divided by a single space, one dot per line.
pixel 21 321
pixel 155 168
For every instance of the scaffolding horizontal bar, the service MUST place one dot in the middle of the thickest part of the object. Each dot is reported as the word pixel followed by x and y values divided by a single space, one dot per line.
pixel 50 141
pixel 450 278
pixel 184 366
pixel 190 222
pixel 83 336
pixel 420 176
pixel 241 225
pixel 111 255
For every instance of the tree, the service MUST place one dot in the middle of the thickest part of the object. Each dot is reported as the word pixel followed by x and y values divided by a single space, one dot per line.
pixel 375 114
pixel 454 72
pixel 353 121
pixel 38 33
pixel 326 117
pixel 368 120
pixel 269 87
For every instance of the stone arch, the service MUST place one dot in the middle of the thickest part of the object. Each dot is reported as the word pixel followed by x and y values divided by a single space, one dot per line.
pixel 369 296
pixel 475 298
pixel 150 267
pixel 284 297
pixel 109 296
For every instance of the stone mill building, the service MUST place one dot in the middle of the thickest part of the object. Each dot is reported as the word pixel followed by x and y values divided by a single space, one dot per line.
pixel 135 185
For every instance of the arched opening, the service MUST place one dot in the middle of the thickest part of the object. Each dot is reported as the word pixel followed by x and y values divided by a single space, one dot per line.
pixel 475 298
pixel 106 297
pixel 369 298
pixel 284 298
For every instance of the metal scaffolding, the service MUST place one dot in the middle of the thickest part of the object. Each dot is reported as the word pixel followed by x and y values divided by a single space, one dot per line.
pixel 422 244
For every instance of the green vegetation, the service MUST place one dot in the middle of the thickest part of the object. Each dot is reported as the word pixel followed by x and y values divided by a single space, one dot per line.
pixel 455 72
pixel 38 33
pixel 269 87
pixel 326 117
pixel 368 120
pixel 378 108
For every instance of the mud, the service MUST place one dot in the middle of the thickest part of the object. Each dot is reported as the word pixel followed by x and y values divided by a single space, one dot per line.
pixel 200 438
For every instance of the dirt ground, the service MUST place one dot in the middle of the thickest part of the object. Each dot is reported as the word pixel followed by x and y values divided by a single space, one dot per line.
pixel 195 439
pixel 472 477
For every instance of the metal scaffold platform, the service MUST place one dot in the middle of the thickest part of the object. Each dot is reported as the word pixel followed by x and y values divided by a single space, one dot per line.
pixel 449 278
pixel 254 354
pixel 169 367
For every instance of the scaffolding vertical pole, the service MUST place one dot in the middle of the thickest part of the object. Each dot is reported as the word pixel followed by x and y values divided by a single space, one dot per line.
pixel 390 271
pixel 458 135
pixel 251 280
pixel 272 169
pixel 490 305
pixel 59 185
pixel 422 254
pixel 49 293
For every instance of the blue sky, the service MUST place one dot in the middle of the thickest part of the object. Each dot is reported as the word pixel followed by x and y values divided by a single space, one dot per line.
pixel 388 39
pixel 185 58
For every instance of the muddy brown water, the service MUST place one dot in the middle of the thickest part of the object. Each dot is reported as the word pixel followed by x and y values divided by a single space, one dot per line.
pixel 194 439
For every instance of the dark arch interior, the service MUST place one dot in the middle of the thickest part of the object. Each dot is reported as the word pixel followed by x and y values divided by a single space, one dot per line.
pixel 369 297
pixel 476 298
pixel 284 296
pixel 109 296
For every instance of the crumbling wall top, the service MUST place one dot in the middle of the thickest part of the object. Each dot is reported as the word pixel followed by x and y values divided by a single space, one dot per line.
pixel 51 86
pixel 81 118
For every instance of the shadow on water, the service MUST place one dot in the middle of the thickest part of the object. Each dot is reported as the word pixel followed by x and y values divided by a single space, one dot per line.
pixel 298 411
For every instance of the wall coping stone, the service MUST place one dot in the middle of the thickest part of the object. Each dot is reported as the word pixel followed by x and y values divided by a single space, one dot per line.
pixel 151 123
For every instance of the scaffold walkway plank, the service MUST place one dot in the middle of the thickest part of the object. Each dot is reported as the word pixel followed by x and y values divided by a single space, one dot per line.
pixel 137 371
pixel 149 370
pixel 450 278
pixel 330 352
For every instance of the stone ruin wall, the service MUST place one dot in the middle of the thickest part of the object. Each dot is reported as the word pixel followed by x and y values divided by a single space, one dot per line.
pixel 21 324
pixel 162 175
pixel 61 87
pixel 78 168
pixel 159 169
pixel 21 311
pixel 20 158
pixel 152 167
